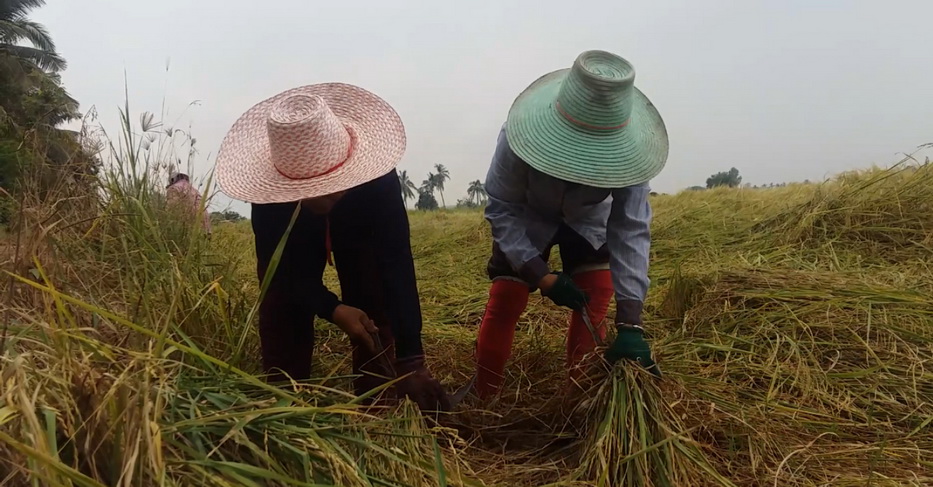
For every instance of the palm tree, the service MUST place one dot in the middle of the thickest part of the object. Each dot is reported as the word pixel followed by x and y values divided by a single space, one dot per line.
pixel 15 27
pixel 427 186
pixel 440 178
pixel 477 192
pixel 426 199
pixel 408 187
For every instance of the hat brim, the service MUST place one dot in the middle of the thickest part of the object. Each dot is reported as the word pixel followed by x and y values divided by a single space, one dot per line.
pixel 244 162
pixel 550 143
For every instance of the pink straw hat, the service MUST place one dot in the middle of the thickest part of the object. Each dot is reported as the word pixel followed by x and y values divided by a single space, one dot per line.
pixel 309 141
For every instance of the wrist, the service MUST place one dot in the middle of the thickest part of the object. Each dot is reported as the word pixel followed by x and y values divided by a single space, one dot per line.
pixel 546 283
pixel 534 271
pixel 407 364
pixel 332 313
pixel 629 311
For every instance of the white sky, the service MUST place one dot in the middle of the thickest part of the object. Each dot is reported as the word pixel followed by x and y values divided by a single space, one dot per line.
pixel 783 90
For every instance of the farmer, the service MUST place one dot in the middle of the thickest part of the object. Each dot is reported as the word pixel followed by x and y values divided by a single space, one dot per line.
pixel 180 192
pixel 330 151
pixel 571 168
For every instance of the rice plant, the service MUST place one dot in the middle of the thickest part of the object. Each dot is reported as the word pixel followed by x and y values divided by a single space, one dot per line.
pixel 794 326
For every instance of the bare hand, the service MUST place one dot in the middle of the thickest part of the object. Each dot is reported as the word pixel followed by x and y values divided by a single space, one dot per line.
pixel 547 282
pixel 357 325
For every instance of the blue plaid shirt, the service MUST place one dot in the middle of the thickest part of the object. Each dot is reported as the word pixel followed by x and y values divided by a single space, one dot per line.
pixel 526 207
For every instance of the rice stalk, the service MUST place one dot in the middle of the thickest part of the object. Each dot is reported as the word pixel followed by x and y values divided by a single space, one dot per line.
pixel 633 437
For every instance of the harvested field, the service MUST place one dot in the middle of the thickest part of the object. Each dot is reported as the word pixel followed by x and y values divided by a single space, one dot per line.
pixel 794 327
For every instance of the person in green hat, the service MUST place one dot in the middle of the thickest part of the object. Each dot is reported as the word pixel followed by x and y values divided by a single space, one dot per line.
pixel 571 168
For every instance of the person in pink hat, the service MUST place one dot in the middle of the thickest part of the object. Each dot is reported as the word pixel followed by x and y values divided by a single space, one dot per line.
pixel 182 195
pixel 318 163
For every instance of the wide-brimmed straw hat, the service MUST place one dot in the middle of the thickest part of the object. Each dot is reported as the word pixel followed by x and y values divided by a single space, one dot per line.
pixel 588 124
pixel 309 141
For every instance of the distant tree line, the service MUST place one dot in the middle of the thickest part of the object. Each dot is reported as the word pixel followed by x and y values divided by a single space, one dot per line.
pixel 425 200
pixel 730 179
pixel 733 179
pixel 423 195
pixel 476 196
pixel 226 216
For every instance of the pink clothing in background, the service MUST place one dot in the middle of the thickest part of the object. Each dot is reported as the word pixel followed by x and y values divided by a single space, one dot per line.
pixel 183 191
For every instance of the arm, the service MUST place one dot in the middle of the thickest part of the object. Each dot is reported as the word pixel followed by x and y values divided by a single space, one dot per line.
pixel 629 240
pixel 205 216
pixel 205 212
pixel 396 266
pixel 327 302
pixel 506 211
pixel 400 295
pixel 296 291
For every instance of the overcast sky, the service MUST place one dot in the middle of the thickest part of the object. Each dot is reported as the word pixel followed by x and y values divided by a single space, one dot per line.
pixel 783 90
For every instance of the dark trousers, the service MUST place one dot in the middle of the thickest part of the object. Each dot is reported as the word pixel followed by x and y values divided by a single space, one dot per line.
pixel 286 315
pixel 576 254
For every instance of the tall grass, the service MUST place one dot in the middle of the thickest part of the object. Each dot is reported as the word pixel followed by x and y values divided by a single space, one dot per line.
pixel 794 326
pixel 131 358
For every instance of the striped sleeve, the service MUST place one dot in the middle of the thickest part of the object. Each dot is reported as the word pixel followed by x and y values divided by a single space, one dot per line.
pixel 629 239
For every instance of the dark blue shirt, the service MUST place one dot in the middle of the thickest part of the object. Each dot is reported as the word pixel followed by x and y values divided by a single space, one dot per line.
pixel 369 236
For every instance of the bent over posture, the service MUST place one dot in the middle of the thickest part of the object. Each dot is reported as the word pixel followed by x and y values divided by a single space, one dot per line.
pixel 571 168
pixel 329 152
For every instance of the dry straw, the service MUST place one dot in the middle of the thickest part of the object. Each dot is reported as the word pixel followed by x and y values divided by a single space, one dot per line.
pixel 794 326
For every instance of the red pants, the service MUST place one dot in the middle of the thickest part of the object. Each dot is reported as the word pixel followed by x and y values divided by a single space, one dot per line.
pixel 508 298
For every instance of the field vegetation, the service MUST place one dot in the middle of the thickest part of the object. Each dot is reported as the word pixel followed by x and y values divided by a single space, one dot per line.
pixel 794 327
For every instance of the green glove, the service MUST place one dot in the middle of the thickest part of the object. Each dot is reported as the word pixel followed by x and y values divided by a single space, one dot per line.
pixel 564 292
pixel 630 344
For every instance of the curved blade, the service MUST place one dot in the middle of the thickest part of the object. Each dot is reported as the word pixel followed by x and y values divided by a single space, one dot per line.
pixel 589 325
pixel 458 396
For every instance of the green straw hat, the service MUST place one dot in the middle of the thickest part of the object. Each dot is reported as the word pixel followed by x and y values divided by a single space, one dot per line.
pixel 589 125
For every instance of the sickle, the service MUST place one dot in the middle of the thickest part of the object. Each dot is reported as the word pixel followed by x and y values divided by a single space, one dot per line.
pixel 458 396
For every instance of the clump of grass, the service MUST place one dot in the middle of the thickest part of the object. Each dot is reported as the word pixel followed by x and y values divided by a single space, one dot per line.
pixel 806 378
pixel 883 214
pixel 634 437
pixel 105 415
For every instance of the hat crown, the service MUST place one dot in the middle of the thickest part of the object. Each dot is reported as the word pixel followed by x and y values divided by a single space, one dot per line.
pixel 597 92
pixel 306 139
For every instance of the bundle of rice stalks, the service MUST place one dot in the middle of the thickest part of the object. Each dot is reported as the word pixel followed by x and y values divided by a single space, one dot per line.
pixel 635 437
